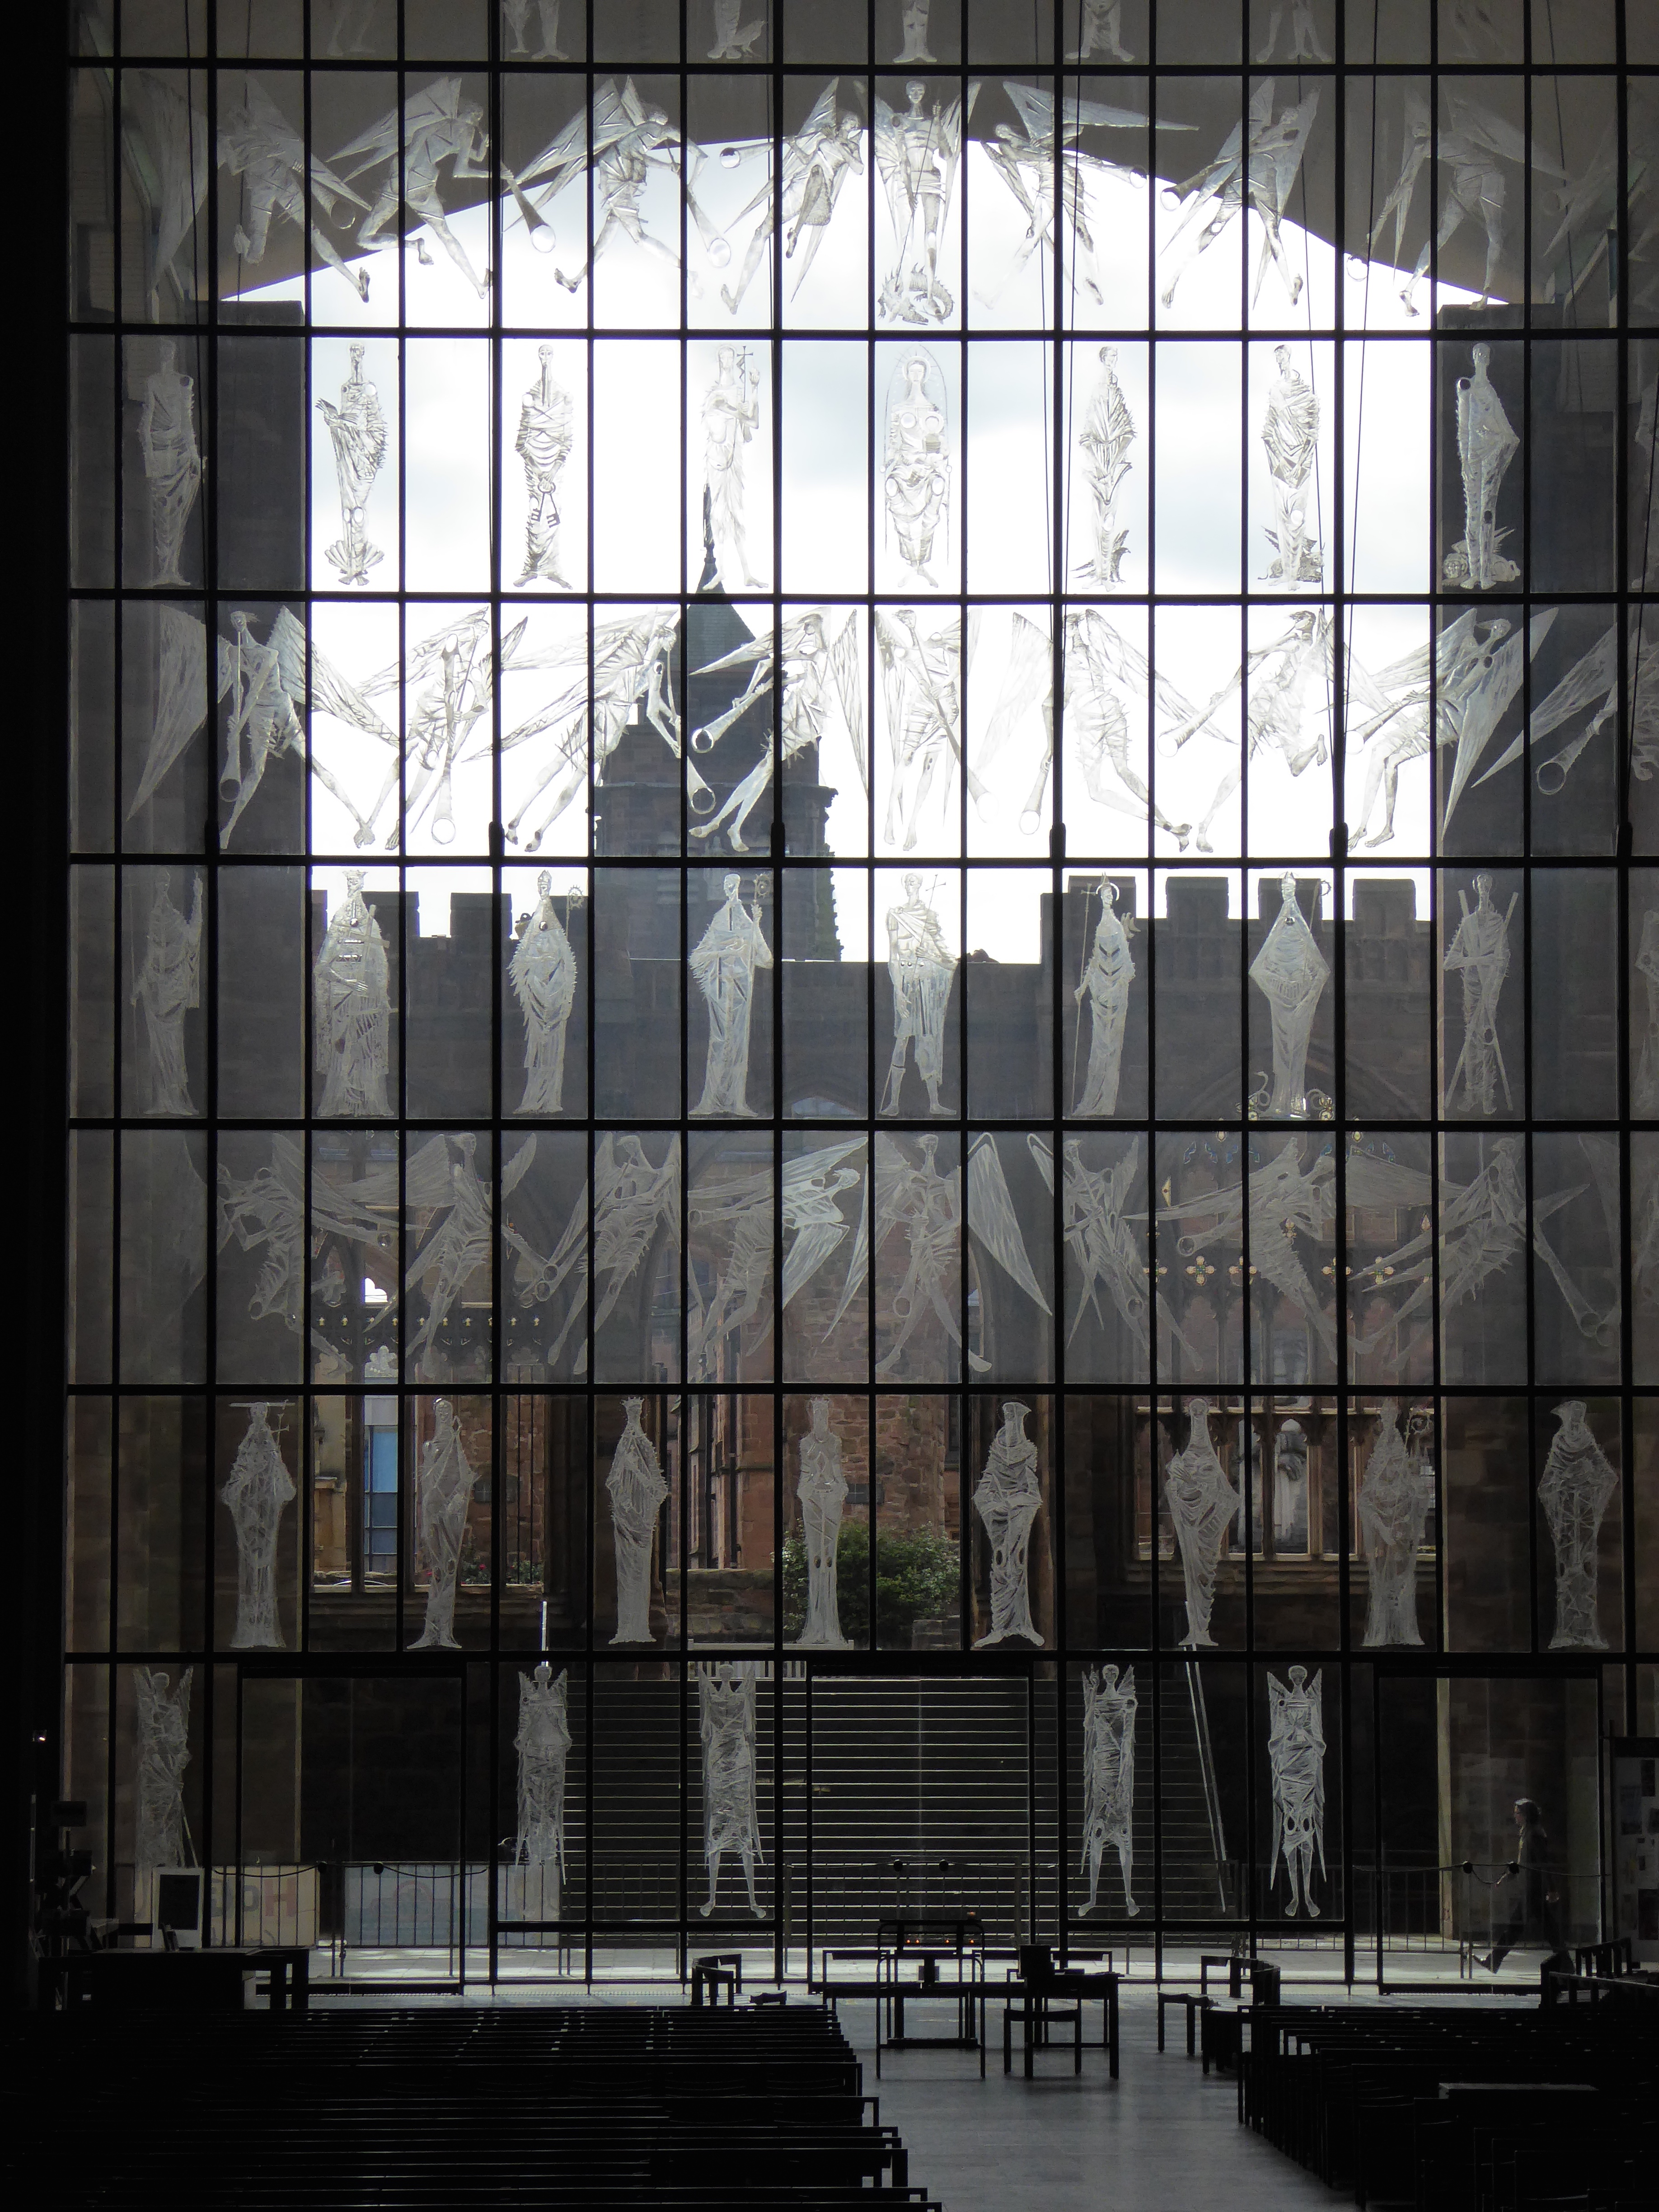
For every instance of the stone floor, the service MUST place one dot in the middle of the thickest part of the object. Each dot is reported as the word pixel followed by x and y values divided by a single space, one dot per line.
pixel 1162 2138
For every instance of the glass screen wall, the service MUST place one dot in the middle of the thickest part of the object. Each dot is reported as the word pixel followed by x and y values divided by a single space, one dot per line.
pixel 865 991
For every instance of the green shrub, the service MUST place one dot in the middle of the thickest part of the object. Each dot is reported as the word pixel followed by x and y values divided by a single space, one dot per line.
pixel 917 1575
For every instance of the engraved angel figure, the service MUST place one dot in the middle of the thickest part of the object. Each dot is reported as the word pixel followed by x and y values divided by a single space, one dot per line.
pixel 1471 143
pixel 1101 30
pixel 1479 951
pixel 1102 672
pixel 816 163
pixel 1106 979
pixel 1291 972
pixel 1202 1505
pixel 731 1820
pixel 820 672
pixel 443 1492
pixel 265 686
pixel 543 445
pixel 723 966
pixel 822 1491
pixel 169 986
pixel 637 1492
pixel 163 1834
pixel 916 468
pixel 172 459
pixel 1110 1256
pixel 1645 1086
pixel 437 125
pixel 357 427
pixel 921 686
pixel 623 141
pixel 928 1205
pixel 1008 1498
pixel 1279 709
pixel 448 1189
pixel 1103 443
pixel 1485 446
pixel 1109 1706
pixel 1290 437
pixel 257 143
pixel 1575 1490
pixel 732 37
pixel 1263 179
pixel 542 974
pixel 1295 1761
pixel 921 968
pixel 917 151
pixel 257 1494
pixel 731 416
pixel 632 1201
pixel 1394 1500
pixel 543 1744
pixel 353 1010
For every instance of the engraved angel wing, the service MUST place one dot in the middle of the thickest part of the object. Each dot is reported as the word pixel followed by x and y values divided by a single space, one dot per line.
pixel 1027 689
pixel 810 1209
pixel 437 102
pixel 893 1178
pixel 1483 705
pixel 331 693
pixel 181 700
pixel 992 1219
pixel 849 690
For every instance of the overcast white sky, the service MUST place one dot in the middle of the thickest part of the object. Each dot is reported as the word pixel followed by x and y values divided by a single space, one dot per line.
pixel 1210 463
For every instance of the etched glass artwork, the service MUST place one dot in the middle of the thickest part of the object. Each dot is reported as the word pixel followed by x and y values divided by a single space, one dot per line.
pixel 257 1491
pixel 1575 1490
pixel 636 1491
pixel 731 1820
pixel 443 1492
pixel 1108 1777
pixel 1296 1760
pixel 857 930
pixel 162 1834
pixel 1008 1498
pixel 543 1743
pixel 822 1493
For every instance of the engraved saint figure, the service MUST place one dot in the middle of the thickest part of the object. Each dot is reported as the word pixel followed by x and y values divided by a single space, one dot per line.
pixel 443 1492
pixel 1202 1505
pixel 913 22
pixel 916 469
pixel 724 966
pixel 357 427
pixel 543 1744
pixel 172 459
pixel 1105 984
pixel 1295 1761
pixel 916 153
pixel 1395 1499
pixel 1291 972
pixel 258 1492
pixel 1485 446
pixel 353 1010
pixel 922 969
pixel 1102 32
pixel 731 416
pixel 1480 951
pixel 1645 1087
pixel 1108 1777
pixel 1575 1490
pixel 636 1491
pixel 731 1820
pixel 162 1836
pixel 822 1491
pixel 1103 443
pixel 544 978
pixel 169 986
pixel 1290 437
pixel 1008 1499
pixel 543 445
